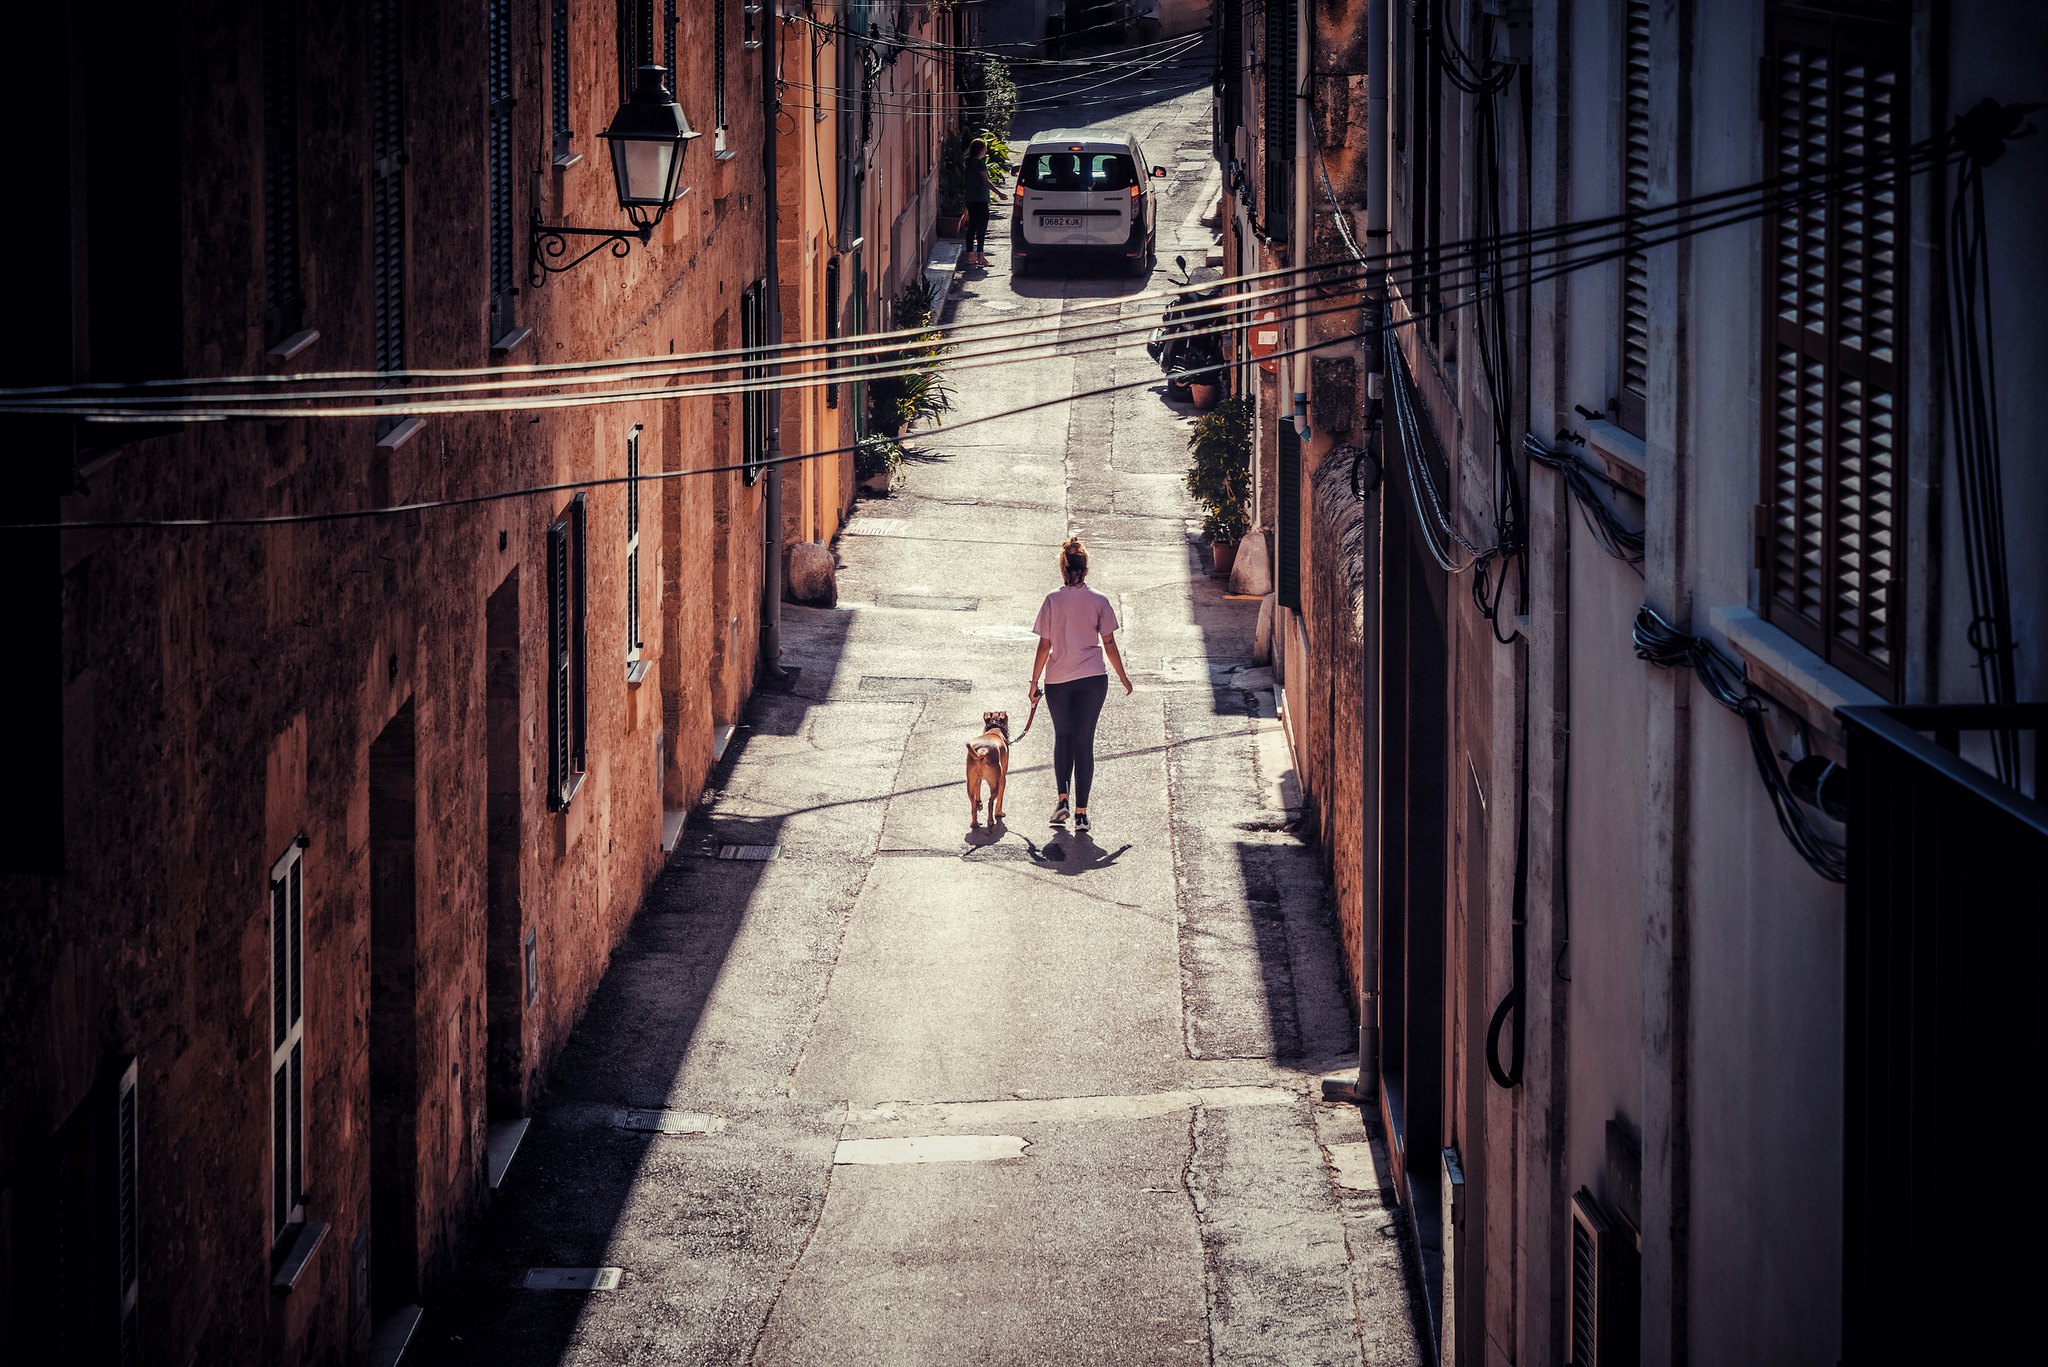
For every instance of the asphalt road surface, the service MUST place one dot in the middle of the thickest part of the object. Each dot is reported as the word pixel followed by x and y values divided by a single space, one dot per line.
pixel 900 1096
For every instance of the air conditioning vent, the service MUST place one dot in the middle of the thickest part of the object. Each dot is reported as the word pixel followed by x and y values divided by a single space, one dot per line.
pixel 1604 1287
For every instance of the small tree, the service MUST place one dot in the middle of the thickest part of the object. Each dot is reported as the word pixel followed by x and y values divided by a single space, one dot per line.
pixel 1219 474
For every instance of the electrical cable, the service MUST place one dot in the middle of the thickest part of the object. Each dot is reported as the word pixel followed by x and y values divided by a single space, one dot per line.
pixel 386 400
pixel 1727 683
pixel 1615 537
pixel 1796 185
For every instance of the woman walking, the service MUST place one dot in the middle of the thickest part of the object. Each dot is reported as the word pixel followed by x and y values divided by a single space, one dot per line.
pixel 980 185
pixel 1076 629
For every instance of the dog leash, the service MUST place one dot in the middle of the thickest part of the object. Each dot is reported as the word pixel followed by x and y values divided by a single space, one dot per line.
pixel 1036 695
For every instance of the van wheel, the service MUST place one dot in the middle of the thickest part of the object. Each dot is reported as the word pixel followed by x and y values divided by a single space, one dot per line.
pixel 1141 265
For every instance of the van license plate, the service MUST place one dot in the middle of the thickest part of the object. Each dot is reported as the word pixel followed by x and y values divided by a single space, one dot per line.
pixel 1058 221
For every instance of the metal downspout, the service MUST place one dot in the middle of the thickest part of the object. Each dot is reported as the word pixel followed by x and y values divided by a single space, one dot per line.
pixel 771 541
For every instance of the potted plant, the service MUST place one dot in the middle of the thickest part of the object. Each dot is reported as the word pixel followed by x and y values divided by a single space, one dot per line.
pixel 915 393
pixel 876 459
pixel 1219 476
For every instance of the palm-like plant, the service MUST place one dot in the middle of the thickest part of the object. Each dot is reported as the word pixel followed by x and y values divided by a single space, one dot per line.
pixel 1219 472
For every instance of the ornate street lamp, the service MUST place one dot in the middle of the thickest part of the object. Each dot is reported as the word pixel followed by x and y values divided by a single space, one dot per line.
pixel 648 137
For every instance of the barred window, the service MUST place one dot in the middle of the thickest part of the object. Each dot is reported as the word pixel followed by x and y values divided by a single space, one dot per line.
pixel 633 642
pixel 387 186
pixel 284 303
pixel 558 80
pixel 1828 548
pixel 755 400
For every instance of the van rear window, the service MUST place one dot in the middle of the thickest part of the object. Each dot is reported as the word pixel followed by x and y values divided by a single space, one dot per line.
pixel 1078 171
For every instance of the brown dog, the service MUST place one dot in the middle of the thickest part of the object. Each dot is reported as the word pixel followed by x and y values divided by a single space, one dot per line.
pixel 988 761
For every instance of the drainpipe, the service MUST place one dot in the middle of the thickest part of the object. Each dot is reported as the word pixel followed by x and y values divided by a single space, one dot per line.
pixel 1379 143
pixel 771 578
pixel 1303 237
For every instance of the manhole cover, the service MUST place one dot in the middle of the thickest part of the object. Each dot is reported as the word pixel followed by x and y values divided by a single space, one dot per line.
pixel 930 602
pixel 1012 633
pixel 750 851
pixel 874 526
pixel 897 683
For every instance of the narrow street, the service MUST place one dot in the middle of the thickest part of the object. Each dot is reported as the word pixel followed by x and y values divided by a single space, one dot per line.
pixel 898 1094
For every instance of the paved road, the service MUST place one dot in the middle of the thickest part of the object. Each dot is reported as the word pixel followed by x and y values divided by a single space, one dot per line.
pixel 1096 1058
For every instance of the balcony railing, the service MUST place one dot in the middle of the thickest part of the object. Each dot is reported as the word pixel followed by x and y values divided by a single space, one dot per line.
pixel 1945 998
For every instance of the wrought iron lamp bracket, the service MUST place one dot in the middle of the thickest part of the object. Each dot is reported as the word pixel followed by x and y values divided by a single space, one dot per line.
pixel 551 244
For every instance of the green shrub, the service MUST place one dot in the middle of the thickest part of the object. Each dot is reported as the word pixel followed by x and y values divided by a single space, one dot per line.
pixel 876 454
pixel 1220 473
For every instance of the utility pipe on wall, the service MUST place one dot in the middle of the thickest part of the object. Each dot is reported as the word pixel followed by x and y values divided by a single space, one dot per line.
pixel 771 285
pixel 1379 144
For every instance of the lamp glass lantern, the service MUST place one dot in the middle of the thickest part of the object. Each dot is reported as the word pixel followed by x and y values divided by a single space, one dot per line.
pixel 648 138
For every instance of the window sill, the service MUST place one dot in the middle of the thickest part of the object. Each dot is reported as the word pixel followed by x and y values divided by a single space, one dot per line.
pixel 287 351
pixel 1625 455
pixel 569 800
pixel 565 160
pixel 298 1242
pixel 636 670
pixel 1790 672
pixel 401 434
pixel 511 341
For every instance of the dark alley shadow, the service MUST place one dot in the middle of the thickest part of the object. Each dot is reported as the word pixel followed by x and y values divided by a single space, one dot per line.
pixel 563 1201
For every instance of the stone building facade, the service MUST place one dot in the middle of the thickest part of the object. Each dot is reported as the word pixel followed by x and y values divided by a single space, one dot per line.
pixel 1622 1034
pixel 341 818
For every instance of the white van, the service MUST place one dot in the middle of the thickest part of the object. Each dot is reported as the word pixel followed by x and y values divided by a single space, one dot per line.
pixel 1084 195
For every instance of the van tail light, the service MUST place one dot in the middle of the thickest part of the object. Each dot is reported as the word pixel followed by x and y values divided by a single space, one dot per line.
pixel 1136 191
pixel 1020 189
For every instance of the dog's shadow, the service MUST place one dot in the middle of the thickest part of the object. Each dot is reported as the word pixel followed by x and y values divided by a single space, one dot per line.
pixel 983 836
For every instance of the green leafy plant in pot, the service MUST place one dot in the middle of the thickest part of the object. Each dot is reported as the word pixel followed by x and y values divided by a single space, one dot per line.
pixel 1220 476
pixel 916 393
pixel 876 459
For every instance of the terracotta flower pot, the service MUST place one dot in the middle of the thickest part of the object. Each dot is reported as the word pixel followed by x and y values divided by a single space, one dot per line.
pixel 1205 396
pixel 1222 555
pixel 877 483
pixel 953 225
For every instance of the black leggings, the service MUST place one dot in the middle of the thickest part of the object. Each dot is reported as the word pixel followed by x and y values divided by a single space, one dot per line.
pixel 1075 705
pixel 977 228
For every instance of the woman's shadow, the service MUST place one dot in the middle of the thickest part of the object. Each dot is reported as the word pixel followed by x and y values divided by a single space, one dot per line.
pixel 1073 854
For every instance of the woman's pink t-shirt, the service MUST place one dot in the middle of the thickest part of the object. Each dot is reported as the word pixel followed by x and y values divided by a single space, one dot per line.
pixel 1074 618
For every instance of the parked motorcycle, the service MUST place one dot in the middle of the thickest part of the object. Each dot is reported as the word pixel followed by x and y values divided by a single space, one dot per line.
pixel 1180 344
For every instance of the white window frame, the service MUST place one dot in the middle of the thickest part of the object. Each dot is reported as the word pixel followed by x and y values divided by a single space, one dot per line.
pixel 288 875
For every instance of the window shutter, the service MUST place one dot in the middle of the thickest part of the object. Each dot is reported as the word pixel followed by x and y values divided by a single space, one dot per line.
pixel 559 701
pixel 1287 539
pixel 1229 79
pixel 387 186
pixel 498 23
pixel 832 322
pixel 1832 342
pixel 1635 198
pixel 558 75
pixel 633 546
pixel 283 284
pixel 1277 140
pixel 127 1213
pixel 718 69
pixel 668 40
pixel 579 630
pixel 753 401
pixel 1603 1295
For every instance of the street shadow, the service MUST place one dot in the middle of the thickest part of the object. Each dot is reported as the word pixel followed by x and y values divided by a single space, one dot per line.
pixel 563 1200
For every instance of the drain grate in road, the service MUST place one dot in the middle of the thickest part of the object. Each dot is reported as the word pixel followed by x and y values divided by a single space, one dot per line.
pixel 758 852
pixel 667 1122
pixel 572 1279
pixel 930 602
pixel 902 683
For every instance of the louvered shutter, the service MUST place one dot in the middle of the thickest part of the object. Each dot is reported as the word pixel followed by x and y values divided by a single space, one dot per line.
pixel 1831 385
pixel 718 69
pixel 128 1212
pixel 1603 1293
pixel 579 630
pixel 387 186
pixel 559 700
pixel 1635 198
pixel 498 23
pixel 558 75
pixel 668 41
pixel 283 284
pixel 1277 138
pixel 633 546
pixel 1229 80
pixel 832 320
pixel 1287 537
